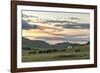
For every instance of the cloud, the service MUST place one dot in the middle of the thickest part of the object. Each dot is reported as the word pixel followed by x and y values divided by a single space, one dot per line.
pixel 27 16
pixel 52 30
pixel 27 26
pixel 74 26
pixel 65 38
pixel 56 39
pixel 59 21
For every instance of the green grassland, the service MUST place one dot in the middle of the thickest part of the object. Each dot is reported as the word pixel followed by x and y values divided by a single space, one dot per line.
pixel 75 53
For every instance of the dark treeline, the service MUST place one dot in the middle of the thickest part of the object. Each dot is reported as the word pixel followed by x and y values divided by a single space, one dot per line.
pixel 46 51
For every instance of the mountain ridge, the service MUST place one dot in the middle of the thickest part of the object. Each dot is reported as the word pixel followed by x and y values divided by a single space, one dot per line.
pixel 42 44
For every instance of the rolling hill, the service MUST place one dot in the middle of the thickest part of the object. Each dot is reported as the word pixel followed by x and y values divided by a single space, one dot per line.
pixel 26 43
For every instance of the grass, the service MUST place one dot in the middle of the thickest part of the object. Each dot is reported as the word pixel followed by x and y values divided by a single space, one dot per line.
pixel 69 54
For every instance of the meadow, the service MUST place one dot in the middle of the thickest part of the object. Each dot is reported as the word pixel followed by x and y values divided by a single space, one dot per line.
pixel 75 53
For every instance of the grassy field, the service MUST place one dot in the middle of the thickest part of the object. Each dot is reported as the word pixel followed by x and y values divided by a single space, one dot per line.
pixel 81 52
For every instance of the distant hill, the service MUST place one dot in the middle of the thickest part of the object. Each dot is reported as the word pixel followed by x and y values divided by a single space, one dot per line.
pixel 34 43
pixel 42 44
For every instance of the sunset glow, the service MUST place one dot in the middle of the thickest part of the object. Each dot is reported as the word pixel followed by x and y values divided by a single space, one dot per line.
pixel 54 27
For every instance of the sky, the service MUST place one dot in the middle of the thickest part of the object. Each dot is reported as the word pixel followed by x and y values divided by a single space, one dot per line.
pixel 56 27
